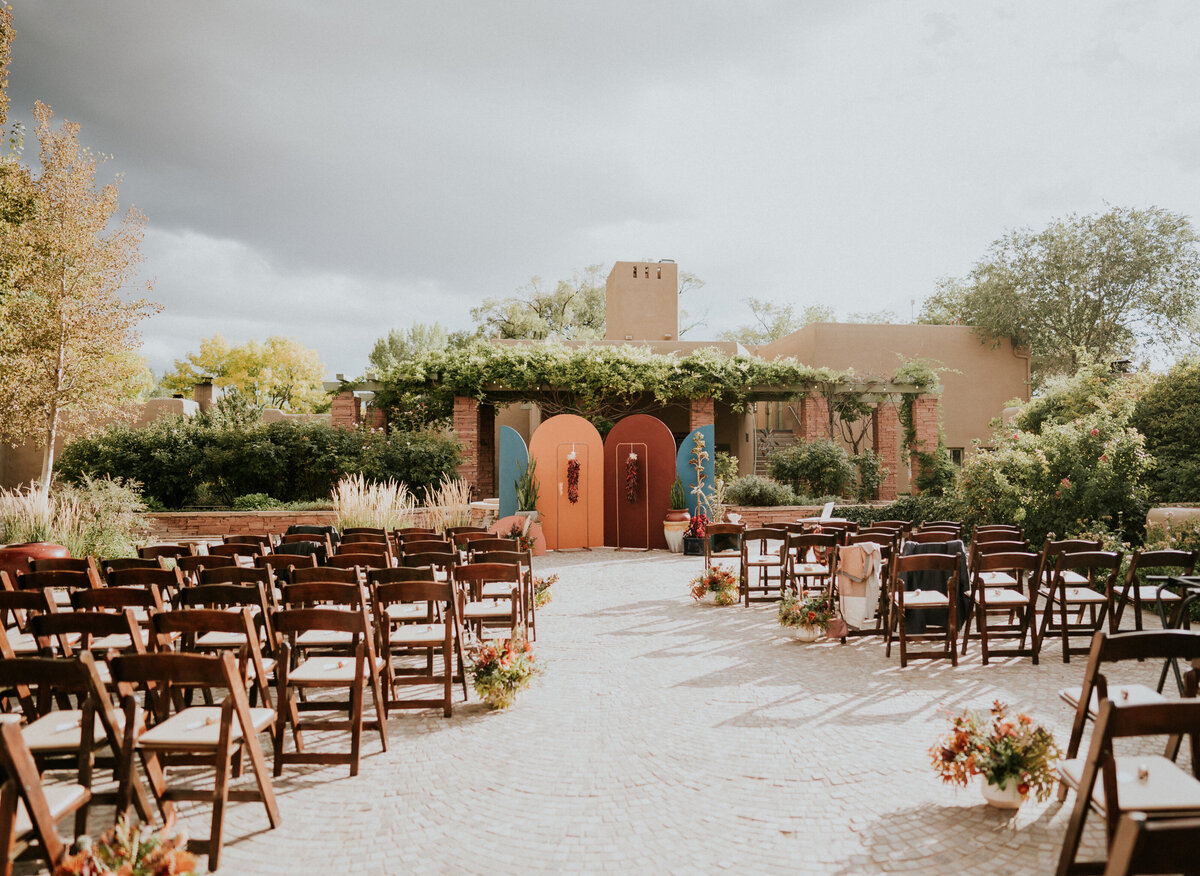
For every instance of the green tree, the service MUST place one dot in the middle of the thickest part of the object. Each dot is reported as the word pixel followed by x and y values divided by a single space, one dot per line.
pixel 572 310
pixel 279 372
pixel 399 346
pixel 69 355
pixel 1166 414
pixel 773 321
pixel 1084 289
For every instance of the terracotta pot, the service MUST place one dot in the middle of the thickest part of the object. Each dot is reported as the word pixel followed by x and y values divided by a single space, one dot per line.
pixel 13 558
pixel 677 514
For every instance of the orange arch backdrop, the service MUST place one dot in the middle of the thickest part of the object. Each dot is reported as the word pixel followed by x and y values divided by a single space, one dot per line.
pixel 638 524
pixel 567 524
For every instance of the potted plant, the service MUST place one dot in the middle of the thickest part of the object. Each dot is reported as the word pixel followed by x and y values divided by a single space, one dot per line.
pixel 716 583
pixel 677 519
pixel 500 669
pixel 694 535
pixel 527 491
pixel 129 849
pixel 806 619
pixel 1014 756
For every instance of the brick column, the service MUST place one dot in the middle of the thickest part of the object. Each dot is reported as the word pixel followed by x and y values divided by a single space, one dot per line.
pixel 346 410
pixel 376 418
pixel 885 440
pixel 466 428
pixel 926 417
pixel 486 484
pixel 814 417
pixel 701 412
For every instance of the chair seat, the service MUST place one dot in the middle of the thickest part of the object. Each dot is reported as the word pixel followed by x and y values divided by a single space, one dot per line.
pixel 62 731
pixel 119 641
pixel 997 579
pixel 1125 694
pixel 1076 596
pixel 419 634
pixel 924 599
pixel 1070 578
pixel 807 569
pixel 770 560
pixel 200 727
pixel 324 638
pixel 725 555
pixel 402 611
pixel 1003 597
pixel 484 610
pixel 24 644
pixel 220 640
pixel 1167 788
pixel 268 668
pixel 329 669
pixel 60 800
pixel 1148 593
pixel 497 590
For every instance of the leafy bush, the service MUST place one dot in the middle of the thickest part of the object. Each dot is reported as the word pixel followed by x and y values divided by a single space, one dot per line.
pixel 97 517
pixel 757 490
pixel 181 462
pixel 1093 389
pixel 1167 415
pixel 871 472
pixel 937 474
pixel 816 467
pixel 255 502
pixel 725 467
pixel 1068 478
pixel 918 509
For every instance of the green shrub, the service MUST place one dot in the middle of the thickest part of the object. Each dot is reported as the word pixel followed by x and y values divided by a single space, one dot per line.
pixel 1167 415
pixel 871 472
pixel 1067 479
pixel 936 472
pixel 255 502
pixel 757 490
pixel 917 509
pixel 95 517
pixel 816 467
pixel 182 462
pixel 725 467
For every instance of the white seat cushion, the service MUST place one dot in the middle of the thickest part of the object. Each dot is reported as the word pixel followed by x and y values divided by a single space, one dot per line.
pixel 324 638
pixel 807 569
pixel 1125 694
pixel 997 579
pixel 217 639
pixel 1148 593
pixel 419 634
pixel 60 799
pixel 200 727
pixel 1002 597
pixel 484 610
pixel 119 641
pixel 924 599
pixel 497 590
pixel 61 731
pixel 400 611
pixel 1167 788
pixel 1076 596
pixel 268 668
pixel 329 669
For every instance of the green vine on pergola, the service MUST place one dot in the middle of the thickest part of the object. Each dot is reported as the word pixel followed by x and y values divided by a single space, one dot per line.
pixel 601 382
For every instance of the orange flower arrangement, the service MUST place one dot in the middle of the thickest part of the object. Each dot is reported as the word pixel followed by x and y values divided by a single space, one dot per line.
pixel 125 850
pixel 501 669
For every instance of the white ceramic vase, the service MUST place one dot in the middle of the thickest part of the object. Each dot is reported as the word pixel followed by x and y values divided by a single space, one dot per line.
pixel 805 633
pixel 1002 798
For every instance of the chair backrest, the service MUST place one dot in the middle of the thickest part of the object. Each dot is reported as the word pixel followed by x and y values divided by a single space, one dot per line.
pixel 160 671
pixel 375 549
pixel 318 538
pixel 475 575
pixel 357 561
pixel 306 552
pixel 932 536
pixel 1182 561
pixel 262 539
pixel 1152 845
pixel 983 548
pixel 148 597
pixel 427 546
pixel 1090 563
pixel 153 551
pixel 898 525
pixel 445 562
pixel 942 524
pixel 805 540
pixel 64 564
pixel 235 549
pixel 166 580
pixel 50 629
pixel 236 575
pixel 879 536
pixel 379 577
pixel 26 783
pixel 429 591
pixel 349 538
pixel 411 532
pixel 1021 562
pixel 280 564
pixel 363 530
pixel 483 545
pixel 191 565
pixel 291 621
pixel 322 593
pixel 948 563
pixel 120 564
pixel 16 604
pixel 982 536
pixel 452 531
pixel 171 627
pixel 317 574
pixel 510 557
pixel 61 578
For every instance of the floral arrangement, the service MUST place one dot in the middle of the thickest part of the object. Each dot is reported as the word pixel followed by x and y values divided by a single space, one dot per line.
pixel 697 526
pixel 502 668
pixel 716 580
pixel 541 590
pixel 125 850
pixel 521 534
pixel 572 478
pixel 1001 751
pixel 815 611
pixel 631 477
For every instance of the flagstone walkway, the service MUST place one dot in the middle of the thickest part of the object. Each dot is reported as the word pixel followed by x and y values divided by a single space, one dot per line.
pixel 665 736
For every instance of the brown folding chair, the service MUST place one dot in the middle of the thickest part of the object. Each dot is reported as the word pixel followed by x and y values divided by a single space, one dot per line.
pixel 237 550
pixel 215 630
pixel 478 546
pixel 190 566
pixel 297 537
pixel 1110 785
pixel 217 736
pixel 803 569
pixel 263 539
pixel 61 583
pixel 1092 568
pixel 723 541
pixel 1179 562
pixel 418 616
pixel 762 552
pixel 489 596
pixel 1142 844
pixel 1003 582
pixel 167 551
pixel 168 581
pixel 68 564
pixel 903 602
pixel 427 546
pixel 524 559
pixel 120 564
pixel 441 563
pixel 356 667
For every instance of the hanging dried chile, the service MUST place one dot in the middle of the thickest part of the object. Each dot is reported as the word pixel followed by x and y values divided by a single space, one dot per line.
pixel 631 478
pixel 573 480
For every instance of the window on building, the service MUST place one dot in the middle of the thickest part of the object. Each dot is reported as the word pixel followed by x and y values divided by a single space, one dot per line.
pixel 956 455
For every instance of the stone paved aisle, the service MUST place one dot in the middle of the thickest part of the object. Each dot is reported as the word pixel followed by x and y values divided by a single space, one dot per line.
pixel 665 736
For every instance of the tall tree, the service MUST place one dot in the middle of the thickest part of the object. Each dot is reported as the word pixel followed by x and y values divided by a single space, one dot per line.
pixel 1085 288
pixel 401 345
pixel 69 356
pixel 572 310
pixel 279 372
pixel 773 321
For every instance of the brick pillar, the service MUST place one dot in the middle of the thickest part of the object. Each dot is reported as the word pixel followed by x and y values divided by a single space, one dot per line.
pixel 346 410
pixel 486 486
pixel 376 417
pixel 885 440
pixel 466 428
pixel 701 412
pixel 926 418
pixel 814 417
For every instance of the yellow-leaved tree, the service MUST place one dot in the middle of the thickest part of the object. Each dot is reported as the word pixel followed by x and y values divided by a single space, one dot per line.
pixel 279 372
pixel 69 350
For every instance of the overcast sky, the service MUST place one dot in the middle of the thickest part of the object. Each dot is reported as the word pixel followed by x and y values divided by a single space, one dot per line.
pixel 328 171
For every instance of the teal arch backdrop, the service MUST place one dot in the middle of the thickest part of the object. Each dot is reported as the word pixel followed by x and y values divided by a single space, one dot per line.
pixel 513 457
pixel 685 469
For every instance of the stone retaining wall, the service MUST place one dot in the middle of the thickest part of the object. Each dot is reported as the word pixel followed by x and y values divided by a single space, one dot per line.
pixel 185 526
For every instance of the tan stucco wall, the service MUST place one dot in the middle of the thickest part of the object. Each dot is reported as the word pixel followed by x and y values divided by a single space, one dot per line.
pixel 642 302
pixel 979 381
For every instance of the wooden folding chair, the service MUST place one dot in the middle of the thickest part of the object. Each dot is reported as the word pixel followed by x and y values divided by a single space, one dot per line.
pixel 433 629
pixel 903 602
pixel 30 812
pixel 61 583
pixel 443 564
pixel 723 541
pixel 87 565
pixel 62 633
pixel 1003 582
pixel 237 550
pixel 428 546
pixel 216 736
pixel 820 567
pixel 1143 844
pixel 167 551
pixel 1091 568
pixel 120 564
pixel 168 582
pixel 1152 592
pixel 762 552
pixel 489 597
pixel 479 546
pixel 1110 785
pixel 215 630
pixel 524 559
pixel 356 667
pixel 263 539
pixel 191 566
